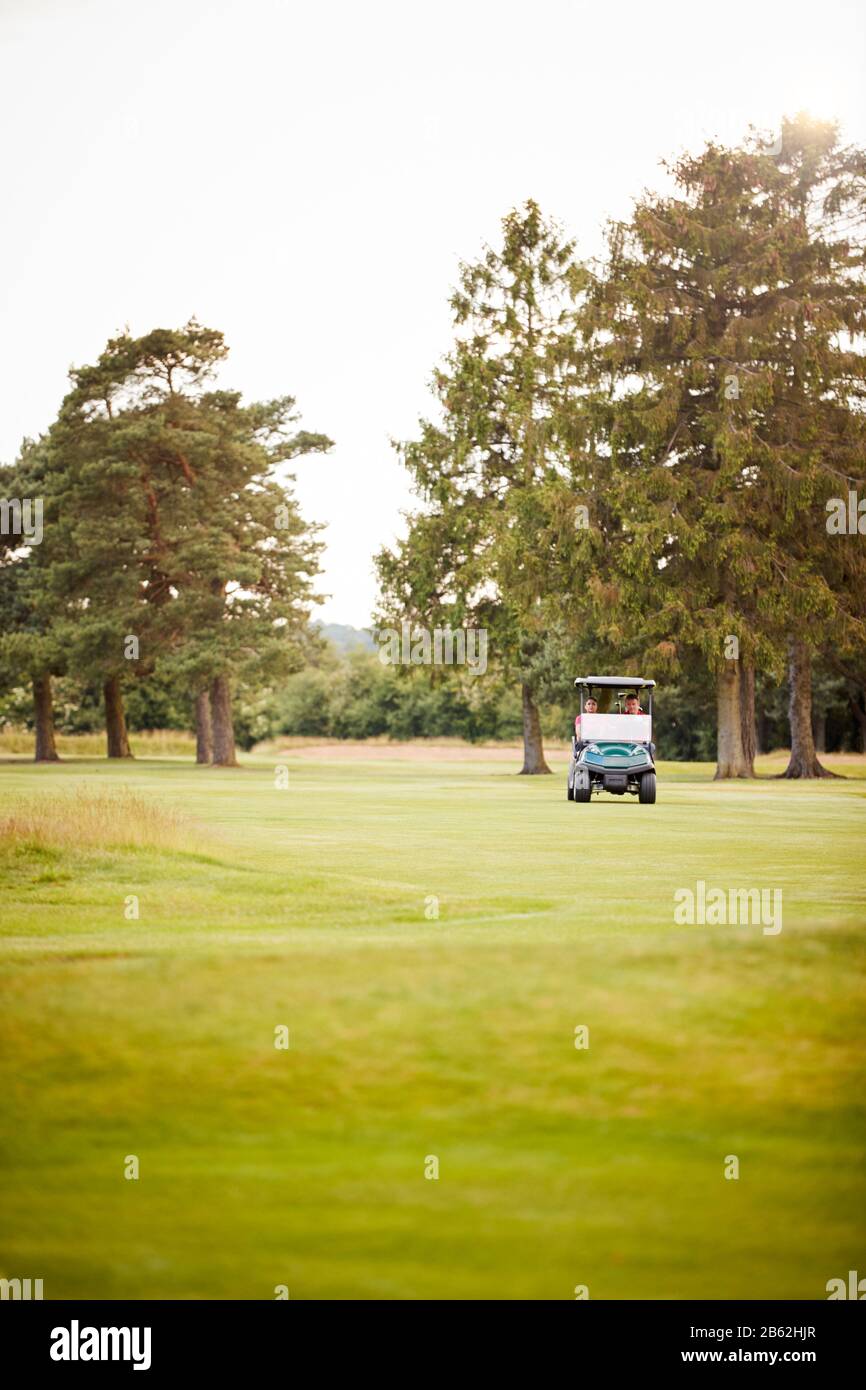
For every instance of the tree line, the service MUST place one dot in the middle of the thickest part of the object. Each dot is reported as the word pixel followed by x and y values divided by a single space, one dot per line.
pixel 354 696
pixel 656 460
pixel 652 461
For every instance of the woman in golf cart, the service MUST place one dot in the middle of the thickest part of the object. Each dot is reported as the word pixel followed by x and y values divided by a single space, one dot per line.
pixel 590 706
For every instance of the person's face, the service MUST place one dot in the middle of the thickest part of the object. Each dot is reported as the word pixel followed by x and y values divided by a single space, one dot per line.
pixel 590 707
pixel 631 704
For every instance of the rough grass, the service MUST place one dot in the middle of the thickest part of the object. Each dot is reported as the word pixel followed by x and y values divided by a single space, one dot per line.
pixel 119 819
pixel 415 1035
pixel 150 743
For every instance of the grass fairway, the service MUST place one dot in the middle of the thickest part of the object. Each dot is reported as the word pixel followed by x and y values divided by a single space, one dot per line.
pixel 413 1037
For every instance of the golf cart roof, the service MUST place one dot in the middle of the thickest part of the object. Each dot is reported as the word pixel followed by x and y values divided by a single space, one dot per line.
pixel 620 682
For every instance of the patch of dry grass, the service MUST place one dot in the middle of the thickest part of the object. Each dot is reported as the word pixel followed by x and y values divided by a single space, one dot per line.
pixel 149 743
pixel 86 820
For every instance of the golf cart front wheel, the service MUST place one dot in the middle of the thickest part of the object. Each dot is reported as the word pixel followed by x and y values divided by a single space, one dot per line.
pixel 647 789
pixel 582 789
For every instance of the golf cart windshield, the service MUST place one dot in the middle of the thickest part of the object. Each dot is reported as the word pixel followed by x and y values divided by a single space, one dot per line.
pixel 615 708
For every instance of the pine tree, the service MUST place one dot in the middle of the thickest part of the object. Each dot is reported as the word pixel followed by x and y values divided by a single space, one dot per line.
pixel 179 547
pixel 470 556
pixel 699 328
pixel 817 422
pixel 243 566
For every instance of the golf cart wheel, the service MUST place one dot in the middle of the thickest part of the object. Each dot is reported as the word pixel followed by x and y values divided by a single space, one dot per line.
pixel 647 790
pixel 582 789
pixel 570 793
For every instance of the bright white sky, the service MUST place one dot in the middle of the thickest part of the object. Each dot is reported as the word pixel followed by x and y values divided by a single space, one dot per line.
pixel 306 178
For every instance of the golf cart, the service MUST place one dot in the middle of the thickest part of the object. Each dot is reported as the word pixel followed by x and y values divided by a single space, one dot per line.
pixel 612 748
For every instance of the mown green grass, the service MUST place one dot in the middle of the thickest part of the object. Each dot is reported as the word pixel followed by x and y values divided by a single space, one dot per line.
pixel 413 1037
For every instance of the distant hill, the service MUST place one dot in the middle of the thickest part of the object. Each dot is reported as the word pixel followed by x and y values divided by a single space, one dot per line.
pixel 346 638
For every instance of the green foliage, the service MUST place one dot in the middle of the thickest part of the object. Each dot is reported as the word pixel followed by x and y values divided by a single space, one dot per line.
pixel 175 525
pixel 629 464
pixel 727 393
pixel 362 698
pixel 169 518
pixel 472 555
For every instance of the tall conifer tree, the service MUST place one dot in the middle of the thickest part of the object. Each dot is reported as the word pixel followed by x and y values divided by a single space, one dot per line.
pixel 471 555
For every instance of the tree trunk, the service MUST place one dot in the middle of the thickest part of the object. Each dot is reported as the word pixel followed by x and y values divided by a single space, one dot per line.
pixel 203 728
pixel 748 722
pixel 115 720
pixel 804 762
pixel 43 704
pixel 533 748
pixel 732 757
pixel 223 728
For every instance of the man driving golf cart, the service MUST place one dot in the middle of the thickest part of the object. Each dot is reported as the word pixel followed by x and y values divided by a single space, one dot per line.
pixel 612 748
